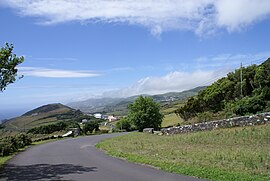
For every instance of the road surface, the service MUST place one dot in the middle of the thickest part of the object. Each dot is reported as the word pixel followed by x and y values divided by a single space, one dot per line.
pixel 78 159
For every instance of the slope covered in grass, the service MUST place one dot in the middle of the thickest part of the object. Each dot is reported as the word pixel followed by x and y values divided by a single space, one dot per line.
pixel 43 115
pixel 225 154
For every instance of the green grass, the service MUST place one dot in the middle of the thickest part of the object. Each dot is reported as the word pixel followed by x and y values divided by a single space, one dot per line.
pixel 3 160
pixel 225 154
pixel 170 120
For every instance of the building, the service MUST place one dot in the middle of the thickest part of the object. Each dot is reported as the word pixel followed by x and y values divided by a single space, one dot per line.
pixel 98 116
pixel 84 120
pixel 112 118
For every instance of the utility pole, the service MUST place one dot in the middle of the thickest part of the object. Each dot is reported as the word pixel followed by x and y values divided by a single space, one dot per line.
pixel 241 79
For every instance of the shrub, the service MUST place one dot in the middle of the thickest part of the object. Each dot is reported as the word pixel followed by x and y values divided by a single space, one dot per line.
pixel 90 126
pixel 124 124
pixel 50 128
pixel 11 144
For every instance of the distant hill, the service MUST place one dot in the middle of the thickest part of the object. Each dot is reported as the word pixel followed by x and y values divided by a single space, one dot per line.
pixel 118 106
pixel 46 109
pixel 46 114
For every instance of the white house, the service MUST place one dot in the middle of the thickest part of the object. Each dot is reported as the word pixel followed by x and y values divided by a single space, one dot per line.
pixel 98 115
pixel 112 118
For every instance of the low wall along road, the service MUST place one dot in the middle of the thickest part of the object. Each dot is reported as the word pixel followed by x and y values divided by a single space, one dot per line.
pixel 258 119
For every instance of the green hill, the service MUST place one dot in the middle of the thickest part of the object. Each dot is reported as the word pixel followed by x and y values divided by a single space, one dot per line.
pixel 46 109
pixel 43 115
pixel 229 96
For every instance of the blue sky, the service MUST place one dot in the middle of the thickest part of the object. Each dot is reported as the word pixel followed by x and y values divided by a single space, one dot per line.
pixel 76 50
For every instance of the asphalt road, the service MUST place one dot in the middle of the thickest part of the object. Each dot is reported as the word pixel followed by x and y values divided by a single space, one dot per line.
pixel 78 159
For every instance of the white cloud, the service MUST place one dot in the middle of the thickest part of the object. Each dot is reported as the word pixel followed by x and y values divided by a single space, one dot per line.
pixel 173 81
pixel 231 60
pixel 235 15
pixel 55 73
pixel 201 16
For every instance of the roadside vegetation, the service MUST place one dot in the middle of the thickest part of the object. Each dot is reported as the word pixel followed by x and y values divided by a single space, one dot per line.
pixel 229 96
pixel 11 148
pixel 50 128
pixel 12 144
pixel 224 154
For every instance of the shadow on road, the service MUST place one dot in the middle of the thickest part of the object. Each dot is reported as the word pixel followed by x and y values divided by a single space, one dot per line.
pixel 41 171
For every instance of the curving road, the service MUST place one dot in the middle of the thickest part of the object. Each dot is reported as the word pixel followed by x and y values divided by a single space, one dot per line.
pixel 78 159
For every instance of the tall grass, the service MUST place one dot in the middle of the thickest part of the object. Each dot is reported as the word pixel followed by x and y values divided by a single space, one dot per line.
pixel 225 154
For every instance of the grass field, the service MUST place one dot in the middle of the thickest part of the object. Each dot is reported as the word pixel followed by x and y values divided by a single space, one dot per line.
pixel 170 120
pixel 225 154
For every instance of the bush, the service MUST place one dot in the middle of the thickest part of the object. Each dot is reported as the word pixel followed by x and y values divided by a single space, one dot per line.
pixel 48 129
pixel 205 116
pixel 124 124
pixel 11 144
pixel 248 105
pixel 90 126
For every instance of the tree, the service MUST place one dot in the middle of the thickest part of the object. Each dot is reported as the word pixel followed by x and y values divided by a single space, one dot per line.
pixel 8 63
pixel 90 126
pixel 145 113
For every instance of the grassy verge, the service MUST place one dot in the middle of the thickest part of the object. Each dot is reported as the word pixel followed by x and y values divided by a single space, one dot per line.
pixel 3 160
pixel 225 154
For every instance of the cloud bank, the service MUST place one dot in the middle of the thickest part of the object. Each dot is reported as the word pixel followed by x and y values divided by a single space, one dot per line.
pixel 172 82
pixel 203 17
pixel 209 69
pixel 55 73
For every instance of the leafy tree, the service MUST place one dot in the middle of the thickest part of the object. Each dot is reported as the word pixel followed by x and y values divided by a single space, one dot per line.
pixel 144 112
pixel 8 64
pixel 90 126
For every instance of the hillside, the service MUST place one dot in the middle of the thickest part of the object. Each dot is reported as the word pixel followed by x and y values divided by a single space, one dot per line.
pixel 46 109
pixel 229 96
pixel 118 106
pixel 46 114
pixel 241 153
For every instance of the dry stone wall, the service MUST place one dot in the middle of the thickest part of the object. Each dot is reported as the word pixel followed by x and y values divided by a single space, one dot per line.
pixel 258 119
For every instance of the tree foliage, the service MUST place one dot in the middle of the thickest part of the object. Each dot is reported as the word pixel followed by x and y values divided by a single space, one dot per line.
pixel 11 144
pixel 226 94
pixel 8 66
pixel 144 112
pixel 90 126
pixel 50 128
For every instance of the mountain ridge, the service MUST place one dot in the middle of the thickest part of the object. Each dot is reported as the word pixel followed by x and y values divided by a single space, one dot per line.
pixel 118 104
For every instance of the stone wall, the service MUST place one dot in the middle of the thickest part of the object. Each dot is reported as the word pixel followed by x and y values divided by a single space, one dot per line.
pixel 257 119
